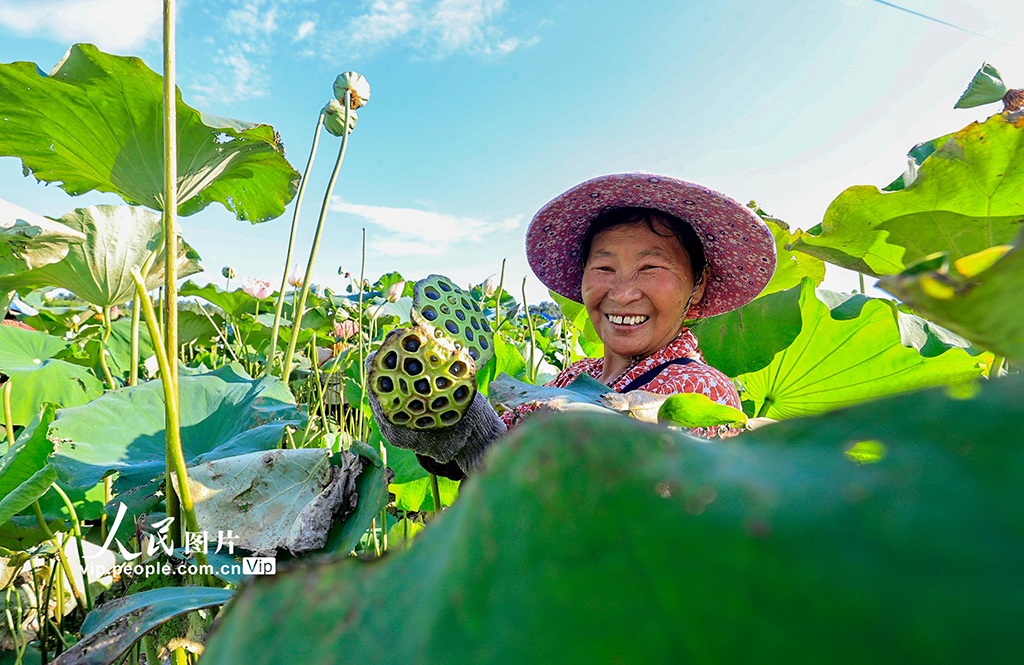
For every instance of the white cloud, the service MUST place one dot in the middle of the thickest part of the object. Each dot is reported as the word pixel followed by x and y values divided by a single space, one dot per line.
pixel 236 78
pixel 306 28
pixel 252 19
pixel 113 25
pixel 440 28
pixel 421 232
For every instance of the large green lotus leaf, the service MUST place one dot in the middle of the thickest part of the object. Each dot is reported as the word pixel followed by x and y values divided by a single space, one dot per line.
pixel 25 474
pixel 790 267
pixel 112 628
pixel 968 195
pixel 746 339
pixel 884 534
pixel 96 123
pixel 224 413
pixel 28 240
pixel 235 303
pixel 850 349
pixel 27 357
pixel 275 499
pixel 23 532
pixel 984 307
pixel 118 239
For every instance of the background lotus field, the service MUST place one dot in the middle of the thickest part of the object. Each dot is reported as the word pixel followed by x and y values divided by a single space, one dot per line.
pixel 872 515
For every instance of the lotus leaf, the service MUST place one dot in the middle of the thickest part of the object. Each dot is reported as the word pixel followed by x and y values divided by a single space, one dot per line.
pixel 275 499
pixel 780 536
pixel 118 239
pixel 983 307
pixel 95 123
pixel 25 475
pixel 849 349
pixel 28 240
pixel 28 358
pixel 881 233
pixel 224 413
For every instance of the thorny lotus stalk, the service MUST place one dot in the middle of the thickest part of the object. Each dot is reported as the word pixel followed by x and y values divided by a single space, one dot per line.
pixel 77 527
pixel 301 304
pixel 37 509
pixel 133 375
pixel 8 422
pixel 105 313
pixel 170 374
pixel 533 343
pixel 497 301
pixel 175 457
pixel 268 368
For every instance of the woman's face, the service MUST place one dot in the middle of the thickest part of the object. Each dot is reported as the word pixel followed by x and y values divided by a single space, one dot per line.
pixel 635 285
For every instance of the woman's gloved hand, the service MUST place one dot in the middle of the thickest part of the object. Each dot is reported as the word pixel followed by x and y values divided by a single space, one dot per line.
pixel 422 391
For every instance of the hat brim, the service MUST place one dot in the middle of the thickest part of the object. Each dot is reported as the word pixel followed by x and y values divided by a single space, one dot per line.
pixel 738 245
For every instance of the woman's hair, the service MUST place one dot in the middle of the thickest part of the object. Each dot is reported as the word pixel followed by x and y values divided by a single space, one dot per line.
pixel 683 232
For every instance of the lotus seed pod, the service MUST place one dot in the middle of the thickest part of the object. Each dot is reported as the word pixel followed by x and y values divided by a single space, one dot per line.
pixel 228 272
pixel 334 118
pixel 356 84
pixel 447 311
pixel 422 382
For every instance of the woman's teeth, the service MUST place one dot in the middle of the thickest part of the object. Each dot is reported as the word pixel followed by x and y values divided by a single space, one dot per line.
pixel 627 320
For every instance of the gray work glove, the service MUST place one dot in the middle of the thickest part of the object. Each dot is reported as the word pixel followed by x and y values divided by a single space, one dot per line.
pixel 423 395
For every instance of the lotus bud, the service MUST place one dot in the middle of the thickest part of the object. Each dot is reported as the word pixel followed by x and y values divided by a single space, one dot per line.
pixel 345 329
pixel 228 272
pixel 556 329
pixel 394 292
pixel 115 312
pixel 295 276
pixel 334 118
pixel 356 84
pixel 490 286
pixel 151 366
pixel 257 288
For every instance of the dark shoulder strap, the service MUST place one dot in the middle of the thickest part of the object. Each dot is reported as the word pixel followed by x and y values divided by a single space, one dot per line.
pixel 649 375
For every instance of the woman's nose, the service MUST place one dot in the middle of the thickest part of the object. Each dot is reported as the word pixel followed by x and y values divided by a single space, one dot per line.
pixel 624 291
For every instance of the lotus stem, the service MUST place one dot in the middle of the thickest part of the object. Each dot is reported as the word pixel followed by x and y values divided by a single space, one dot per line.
pixel 8 418
pixel 175 457
pixel 497 300
pixel 269 367
pixel 301 305
pixel 435 493
pixel 359 332
pixel 147 647
pixel 863 292
pixel 220 333
pixel 763 411
pixel 37 509
pixel 105 313
pixel 133 372
pixel 77 526
pixel 533 345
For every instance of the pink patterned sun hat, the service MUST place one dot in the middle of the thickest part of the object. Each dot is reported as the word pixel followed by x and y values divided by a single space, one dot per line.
pixel 739 247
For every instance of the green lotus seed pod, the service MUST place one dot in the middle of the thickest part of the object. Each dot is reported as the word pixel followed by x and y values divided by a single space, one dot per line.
pixel 422 381
pixel 334 118
pixel 228 272
pixel 446 310
pixel 356 84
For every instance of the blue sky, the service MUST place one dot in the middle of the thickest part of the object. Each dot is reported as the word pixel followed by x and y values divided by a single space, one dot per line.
pixel 483 110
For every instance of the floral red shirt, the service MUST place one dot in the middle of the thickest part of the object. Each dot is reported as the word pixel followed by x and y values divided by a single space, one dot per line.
pixel 695 377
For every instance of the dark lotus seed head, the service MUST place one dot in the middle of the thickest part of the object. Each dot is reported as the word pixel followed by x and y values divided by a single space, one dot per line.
pixel 476 307
pixel 432 294
pixel 405 386
pixel 458 346
pixel 400 418
pixel 412 366
pixel 385 384
pixel 442 383
pixel 487 328
pixel 422 386
pixel 444 286
pixel 439 334
pixel 434 358
pixel 424 422
pixel 465 304
pixel 457 368
pixel 459 315
pixel 476 324
pixel 469 335
pixel 411 343
pixel 445 309
pixel 452 300
pixel 460 393
pixel 452 328
pixel 391 360
pixel 448 417
pixel 483 343
pixel 396 402
pixel 416 406
pixel 439 403
pixel 429 314
pixel 474 354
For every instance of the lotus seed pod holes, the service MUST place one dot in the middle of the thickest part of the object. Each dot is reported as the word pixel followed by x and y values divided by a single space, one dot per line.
pixel 421 381
pixel 442 307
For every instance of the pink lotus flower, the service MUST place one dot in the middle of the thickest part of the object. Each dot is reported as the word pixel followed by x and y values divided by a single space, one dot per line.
pixel 394 292
pixel 257 288
pixel 345 329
